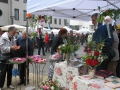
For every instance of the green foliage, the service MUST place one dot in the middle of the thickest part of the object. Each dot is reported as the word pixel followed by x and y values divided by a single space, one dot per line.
pixel 113 13
pixel 34 34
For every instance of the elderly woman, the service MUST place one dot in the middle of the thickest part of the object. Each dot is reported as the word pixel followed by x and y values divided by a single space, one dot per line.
pixel 22 42
pixel 7 45
pixel 58 40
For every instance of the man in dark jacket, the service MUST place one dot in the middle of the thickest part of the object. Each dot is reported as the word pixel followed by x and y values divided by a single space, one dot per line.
pixel 22 67
pixel 40 42
pixel 99 35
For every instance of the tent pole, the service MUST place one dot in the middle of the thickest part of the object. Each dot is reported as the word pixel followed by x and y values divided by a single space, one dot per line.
pixel 112 4
pixel 26 77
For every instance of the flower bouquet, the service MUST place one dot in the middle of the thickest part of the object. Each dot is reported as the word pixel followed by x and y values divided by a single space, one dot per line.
pixel 17 60
pixel 68 49
pixel 49 85
pixel 93 56
pixel 55 57
pixel 37 59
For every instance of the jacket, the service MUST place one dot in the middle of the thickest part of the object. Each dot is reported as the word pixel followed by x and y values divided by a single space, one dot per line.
pixel 56 42
pixel 115 46
pixel 5 43
pixel 46 39
pixel 22 43
pixel 101 34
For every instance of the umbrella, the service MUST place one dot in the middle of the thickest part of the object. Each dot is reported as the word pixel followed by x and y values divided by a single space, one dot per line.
pixel 70 9
pixel 5 28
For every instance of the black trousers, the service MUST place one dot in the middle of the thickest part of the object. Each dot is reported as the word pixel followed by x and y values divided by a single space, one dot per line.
pixel 40 46
pixel 22 71
pixel 5 68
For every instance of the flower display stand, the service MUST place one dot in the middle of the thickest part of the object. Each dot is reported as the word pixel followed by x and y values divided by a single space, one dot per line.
pixel 15 62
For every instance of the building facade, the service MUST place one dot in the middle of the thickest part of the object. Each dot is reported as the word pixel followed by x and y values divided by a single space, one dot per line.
pixel 77 25
pixel 14 12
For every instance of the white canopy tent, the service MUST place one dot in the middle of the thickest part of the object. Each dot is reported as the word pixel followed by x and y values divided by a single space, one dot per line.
pixel 84 31
pixel 68 29
pixel 5 28
pixel 70 9
pixel 55 31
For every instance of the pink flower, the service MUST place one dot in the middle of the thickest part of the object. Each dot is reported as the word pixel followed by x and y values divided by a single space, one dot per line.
pixel 96 86
pixel 45 87
pixel 75 86
pixel 42 20
pixel 59 71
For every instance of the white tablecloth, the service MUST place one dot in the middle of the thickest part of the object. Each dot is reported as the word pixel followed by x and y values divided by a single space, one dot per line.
pixel 84 83
pixel 65 74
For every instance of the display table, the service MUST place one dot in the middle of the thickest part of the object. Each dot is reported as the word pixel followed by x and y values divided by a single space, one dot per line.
pixel 65 74
pixel 85 83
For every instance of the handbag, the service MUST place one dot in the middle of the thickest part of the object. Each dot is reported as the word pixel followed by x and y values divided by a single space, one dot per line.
pixel 4 56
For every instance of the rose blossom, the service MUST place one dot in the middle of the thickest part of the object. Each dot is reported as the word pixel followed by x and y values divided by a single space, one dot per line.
pixel 96 53
pixel 95 62
pixel 89 62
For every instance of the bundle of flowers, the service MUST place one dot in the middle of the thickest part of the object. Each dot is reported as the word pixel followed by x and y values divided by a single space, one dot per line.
pixel 17 60
pixel 68 48
pixel 49 85
pixel 56 56
pixel 32 58
pixel 37 59
pixel 93 55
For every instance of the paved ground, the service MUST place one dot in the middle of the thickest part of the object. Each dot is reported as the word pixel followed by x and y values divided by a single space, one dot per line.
pixel 33 70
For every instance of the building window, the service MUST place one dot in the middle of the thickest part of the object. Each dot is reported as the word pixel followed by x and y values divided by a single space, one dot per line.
pixel 16 0
pixel 65 22
pixel 16 14
pixel 59 21
pixel 24 15
pixel 4 1
pixel 25 1
pixel 50 19
pixel 55 20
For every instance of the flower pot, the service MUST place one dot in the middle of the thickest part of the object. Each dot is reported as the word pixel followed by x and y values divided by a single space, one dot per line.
pixel 92 72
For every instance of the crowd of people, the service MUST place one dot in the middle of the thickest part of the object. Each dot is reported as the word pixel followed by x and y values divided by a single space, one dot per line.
pixel 16 47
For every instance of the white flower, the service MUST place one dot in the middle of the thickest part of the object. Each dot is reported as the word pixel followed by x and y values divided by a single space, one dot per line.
pixel 63 45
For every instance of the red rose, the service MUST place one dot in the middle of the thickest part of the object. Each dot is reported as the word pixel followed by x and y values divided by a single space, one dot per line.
pixel 88 62
pixel 85 50
pixel 90 51
pixel 106 11
pixel 96 53
pixel 95 62
pixel 40 17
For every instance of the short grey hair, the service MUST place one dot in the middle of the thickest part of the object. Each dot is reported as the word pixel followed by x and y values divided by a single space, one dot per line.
pixel 25 31
pixel 12 28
